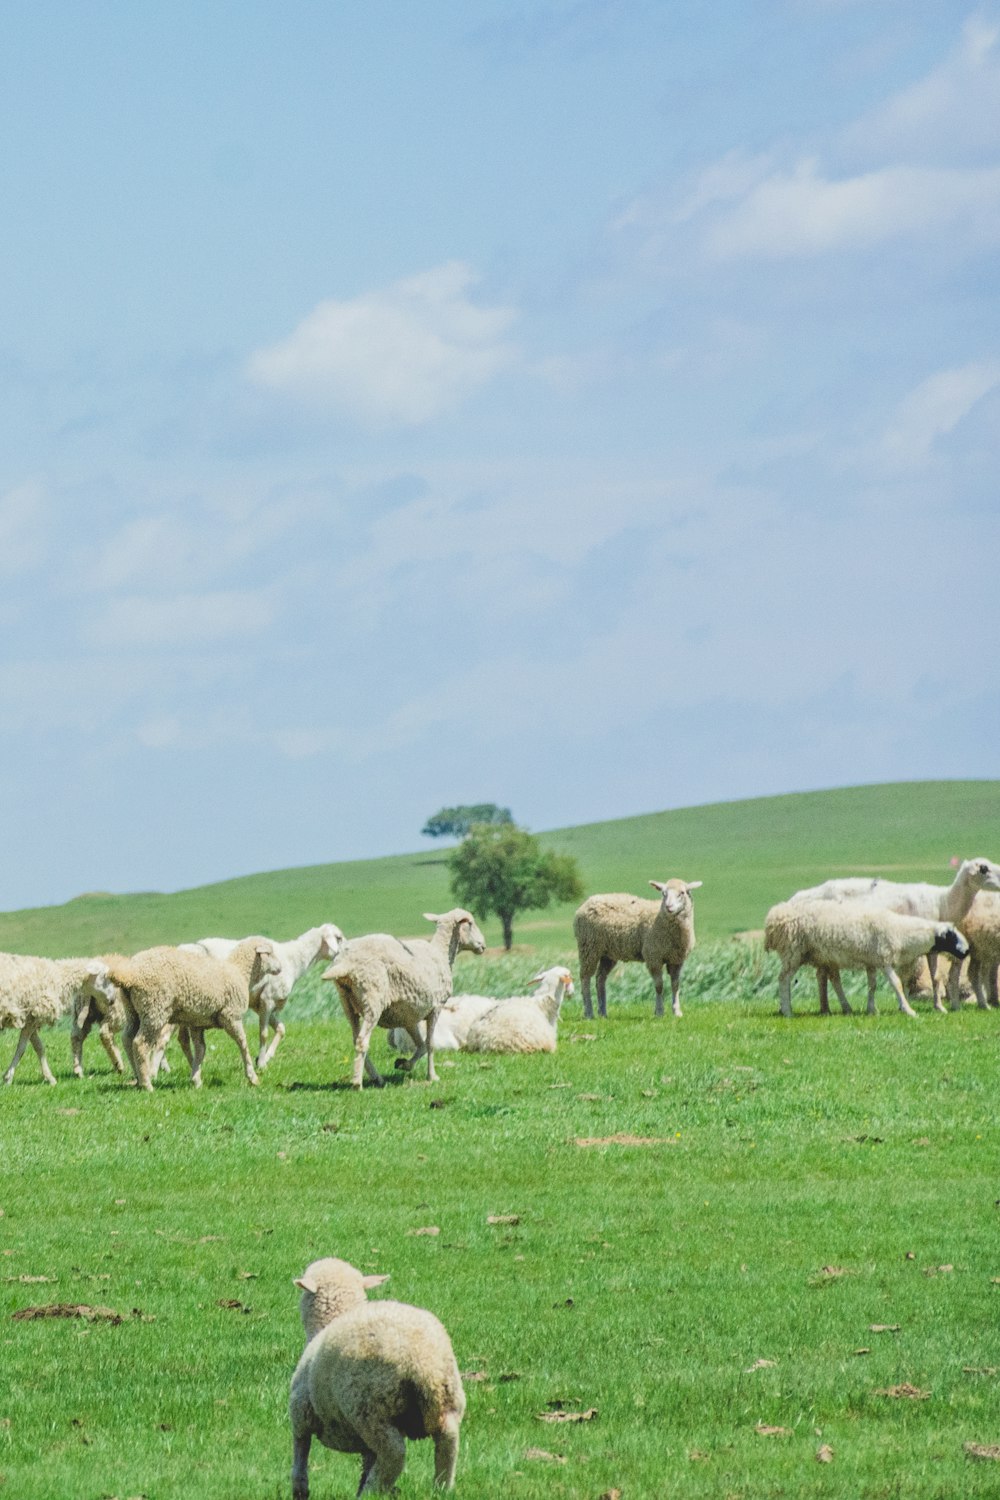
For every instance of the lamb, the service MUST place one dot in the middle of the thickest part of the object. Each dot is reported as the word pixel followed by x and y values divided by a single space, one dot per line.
pixel 101 1004
pixel 626 929
pixel 526 1023
pixel 372 1375
pixel 37 992
pixel 937 903
pixel 268 994
pixel 981 928
pixel 386 982
pixel 165 987
pixel 452 1026
pixel 835 935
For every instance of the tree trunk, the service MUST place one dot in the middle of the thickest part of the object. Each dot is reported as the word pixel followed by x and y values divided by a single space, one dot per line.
pixel 507 918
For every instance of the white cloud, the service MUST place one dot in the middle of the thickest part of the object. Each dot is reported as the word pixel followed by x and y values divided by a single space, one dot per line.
pixel 401 355
pixel 137 621
pixel 801 212
pixel 933 410
pixel 955 107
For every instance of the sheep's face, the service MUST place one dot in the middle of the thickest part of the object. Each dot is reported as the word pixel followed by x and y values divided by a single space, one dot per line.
pixel 101 988
pixel 466 937
pixel 950 940
pixel 985 875
pixel 331 941
pixel 676 895
pixel 553 978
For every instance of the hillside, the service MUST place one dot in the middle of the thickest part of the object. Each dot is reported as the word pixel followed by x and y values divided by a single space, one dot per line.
pixel 749 854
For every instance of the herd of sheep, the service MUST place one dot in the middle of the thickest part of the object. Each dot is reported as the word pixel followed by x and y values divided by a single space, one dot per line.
pixel 374 1374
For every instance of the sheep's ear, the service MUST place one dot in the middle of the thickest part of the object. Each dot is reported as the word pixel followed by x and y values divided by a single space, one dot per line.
pixel 537 978
pixel 327 973
pixel 657 885
pixel 369 1281
pixel 305 1283
pixel 430 917
pixel 95 968
pixel 263 948
pixel 693 885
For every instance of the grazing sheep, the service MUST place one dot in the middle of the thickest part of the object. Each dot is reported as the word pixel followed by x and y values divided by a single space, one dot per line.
pixel 835 935
pixel 37 992
pixel 372 1375
pixel 981 928
pixel 526 1023
pixel 627 929
pixel 936 903
pixel 269 993
pixel 386 982
pixel 165 987
pixel 451 1028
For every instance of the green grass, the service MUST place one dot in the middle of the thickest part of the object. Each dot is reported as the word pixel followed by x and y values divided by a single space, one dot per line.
pixel 749 854
pixel 646 1281
pixel 643 1280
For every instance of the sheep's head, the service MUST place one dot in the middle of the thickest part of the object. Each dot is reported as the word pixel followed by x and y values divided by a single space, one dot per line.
pixel 676 895
pixel 551 979
pixel 465 934
pixel 331 941
pixel 983 874
pixel 329 1288
pixel 950 940
pixel 99 987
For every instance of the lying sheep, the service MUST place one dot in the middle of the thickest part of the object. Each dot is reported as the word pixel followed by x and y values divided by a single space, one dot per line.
pixel 981 928
pixel 165 987
pixel 835 935
pixel 269 993
pixel 451 1029
pixel 526 1023
pixel 383 981
pixel 936 903
pixel 627 929
pixel 372 1375
pixel 37 992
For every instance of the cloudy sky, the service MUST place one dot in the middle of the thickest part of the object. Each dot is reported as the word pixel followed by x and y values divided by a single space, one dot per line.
pixel 587 405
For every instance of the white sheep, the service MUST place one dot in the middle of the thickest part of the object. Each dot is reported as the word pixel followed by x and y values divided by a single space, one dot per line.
pixel 622 928
pixel 269 993
pixel 525 1023
pixel 981 928
pixel 936 903
pixel 37 992
pixel 165 987
pixel 373 1374
pixel 384 981
pixel 835 935
pixel 451 1027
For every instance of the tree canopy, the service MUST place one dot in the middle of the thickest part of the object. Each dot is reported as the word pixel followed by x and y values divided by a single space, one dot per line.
pixel 455 822
pixel 502 869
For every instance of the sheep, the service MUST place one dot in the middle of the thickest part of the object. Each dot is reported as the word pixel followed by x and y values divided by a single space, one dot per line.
pixel 165 987
pixel 386 982
pixel 101 1004
pixel 452 1026
pixel 372 1375
pixel 37 992
pixel 981 929
pixel 623 928
pixel 526 1023
pixel 936 903
pixel 269 993
pixel 835 935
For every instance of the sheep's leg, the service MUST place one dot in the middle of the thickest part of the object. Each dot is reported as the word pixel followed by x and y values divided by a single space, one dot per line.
pixel 22 1043
pixel 264 1024
pixel 838 986
pixel 897 988
pixel 656 971
pixel 39 1047
pixel 405 1064
pixel 588 1008
pixel 389 1446
pixel 145 1046
pixel 446 1453
pixel 279 1032
pixel 429 1024
pixel 367 1460
pixel 603 970
pixel 871 976
pixel 823 990
pixel 675 988
pixel 994 991
pixel 83 1020
pixel 785 991
pixel 196 1055
pixel 937 989
pixel 108 1042
pixel 233 1026
pixel 160 1064
pixel 362 1062
pixel 955 987
pixel 301 1442
pixel 129 1033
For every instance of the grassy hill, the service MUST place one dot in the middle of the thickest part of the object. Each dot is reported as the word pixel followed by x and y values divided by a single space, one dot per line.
pixel 749 854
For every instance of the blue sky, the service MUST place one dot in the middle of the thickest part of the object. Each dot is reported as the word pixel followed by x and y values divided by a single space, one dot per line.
pixel 587 405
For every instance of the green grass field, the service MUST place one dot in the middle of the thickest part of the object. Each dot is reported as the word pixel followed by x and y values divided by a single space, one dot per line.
pixel 799 1230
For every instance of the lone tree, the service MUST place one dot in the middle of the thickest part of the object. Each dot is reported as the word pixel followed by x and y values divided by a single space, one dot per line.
pixel 455 822
pixel 503 869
